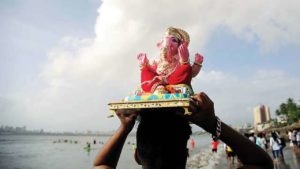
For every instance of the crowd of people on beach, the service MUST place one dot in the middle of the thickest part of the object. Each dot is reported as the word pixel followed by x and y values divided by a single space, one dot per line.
pixel 274 142
pixel 294 138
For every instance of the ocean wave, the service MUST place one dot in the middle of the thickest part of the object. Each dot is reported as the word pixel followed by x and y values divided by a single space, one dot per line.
pixel 204 160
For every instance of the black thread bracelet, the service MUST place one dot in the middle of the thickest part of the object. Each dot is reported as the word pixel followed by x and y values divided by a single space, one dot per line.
pixel 217 134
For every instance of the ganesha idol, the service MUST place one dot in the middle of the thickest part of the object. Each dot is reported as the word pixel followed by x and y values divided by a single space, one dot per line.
pixel 165 81
pixel 172 70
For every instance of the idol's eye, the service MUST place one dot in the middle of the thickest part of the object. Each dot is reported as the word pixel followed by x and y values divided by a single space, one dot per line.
pixel 175 40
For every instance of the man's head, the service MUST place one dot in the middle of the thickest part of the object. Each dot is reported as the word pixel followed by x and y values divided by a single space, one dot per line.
pixel 162 139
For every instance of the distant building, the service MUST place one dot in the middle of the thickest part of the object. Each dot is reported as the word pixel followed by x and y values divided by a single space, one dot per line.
pixel 261 114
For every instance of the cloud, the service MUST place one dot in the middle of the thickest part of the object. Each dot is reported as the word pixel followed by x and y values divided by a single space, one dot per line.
pixel 83 75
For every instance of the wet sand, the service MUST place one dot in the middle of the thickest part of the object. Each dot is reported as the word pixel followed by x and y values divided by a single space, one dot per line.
pixel 291 161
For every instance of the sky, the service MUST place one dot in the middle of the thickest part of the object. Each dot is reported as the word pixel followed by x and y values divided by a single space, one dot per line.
pixel 62 62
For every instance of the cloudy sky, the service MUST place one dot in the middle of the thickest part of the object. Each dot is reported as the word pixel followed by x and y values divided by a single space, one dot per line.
pixel 62 61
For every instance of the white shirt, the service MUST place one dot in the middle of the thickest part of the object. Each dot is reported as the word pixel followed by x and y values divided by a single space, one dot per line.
pixel 290 135
pixel 298 136
pixel 274 144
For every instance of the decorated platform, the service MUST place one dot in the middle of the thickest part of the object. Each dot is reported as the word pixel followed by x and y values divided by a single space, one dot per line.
pixel 177 96
pixel 146 104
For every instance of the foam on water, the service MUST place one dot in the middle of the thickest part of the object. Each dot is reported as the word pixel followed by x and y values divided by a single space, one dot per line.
pixel 204 160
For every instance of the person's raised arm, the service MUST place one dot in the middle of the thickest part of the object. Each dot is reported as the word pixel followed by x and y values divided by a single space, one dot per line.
pixel 109 155
pixel 250 154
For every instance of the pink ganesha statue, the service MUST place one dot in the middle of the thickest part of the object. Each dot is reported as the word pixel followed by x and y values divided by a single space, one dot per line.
pixel 173 65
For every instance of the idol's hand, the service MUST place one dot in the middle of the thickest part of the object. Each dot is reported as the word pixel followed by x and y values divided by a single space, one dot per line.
pixel 127 118
pixel 161 79
pixel 197 64
pixel 183 53
pixel 198 58
pixel 142 59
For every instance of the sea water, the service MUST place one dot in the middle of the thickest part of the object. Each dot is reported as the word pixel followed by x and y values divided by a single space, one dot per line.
pixel 52 152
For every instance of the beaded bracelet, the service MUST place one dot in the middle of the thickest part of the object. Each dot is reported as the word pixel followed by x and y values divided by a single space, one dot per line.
pixel 198 64
pixel 218 129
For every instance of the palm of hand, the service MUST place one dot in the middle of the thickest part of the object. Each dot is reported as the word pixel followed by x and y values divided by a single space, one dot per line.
pixel 183 52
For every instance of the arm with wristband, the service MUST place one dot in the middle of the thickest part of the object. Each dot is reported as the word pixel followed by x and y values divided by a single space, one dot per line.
pixel 204 116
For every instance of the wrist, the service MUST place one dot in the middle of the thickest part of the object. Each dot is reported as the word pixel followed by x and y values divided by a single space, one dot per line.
pixel 124 129
pixel 211 125
pixel 198 64
pixel 217 129
pixel 185 61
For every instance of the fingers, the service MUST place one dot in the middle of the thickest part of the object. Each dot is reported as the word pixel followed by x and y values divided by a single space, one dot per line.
pixel 194 106
pixel 133 114
pixel 206 99
pixel 200 96
pixel 142 57
pixel 184 43
pixel 183 46
pixel 183 49
pixel 202 99
pixel 122 113
pixel 197 98
pixel 139 55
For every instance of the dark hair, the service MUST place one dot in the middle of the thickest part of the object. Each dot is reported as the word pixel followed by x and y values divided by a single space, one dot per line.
pixel 162 139
pixel 275 137
pixel 260 135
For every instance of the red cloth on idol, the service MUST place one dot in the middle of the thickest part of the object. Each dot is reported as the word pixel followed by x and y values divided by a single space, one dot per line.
pixel 182 75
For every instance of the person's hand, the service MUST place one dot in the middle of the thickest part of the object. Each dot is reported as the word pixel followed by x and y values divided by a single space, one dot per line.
pixel 183 53
pixel 203 112
pixel 127 118
pixel 198 58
